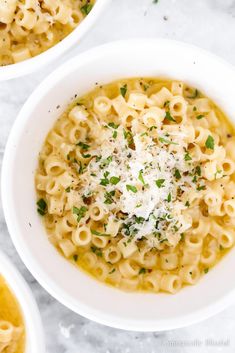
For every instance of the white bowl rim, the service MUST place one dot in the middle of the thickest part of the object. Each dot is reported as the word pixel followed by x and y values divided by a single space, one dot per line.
pixel 37 62
pixel 28 305
pixel 102 318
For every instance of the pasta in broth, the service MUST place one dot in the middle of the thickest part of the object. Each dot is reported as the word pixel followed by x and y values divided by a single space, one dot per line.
pixel 12 339
pixel 29 27
pixel 136 184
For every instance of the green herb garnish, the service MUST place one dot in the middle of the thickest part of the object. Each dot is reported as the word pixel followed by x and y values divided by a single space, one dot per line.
pixel 95 232
pixel 160 182
pixel 112 271
pixel 201 187
pixel 83 146
pixel 166 141
pixel 123 90
pixel 140 177
pixel 109 197
pixel 177 174
pixel 113 125
pixel 199 117
pixel 142 271
pixel 96 250
pixel 169 117
pixel 80 212
pixel 114 180
pixel 86 9
pixel 131 188
pixel 187 157
pixel 210 143
pixel 198 170
pixel 42 206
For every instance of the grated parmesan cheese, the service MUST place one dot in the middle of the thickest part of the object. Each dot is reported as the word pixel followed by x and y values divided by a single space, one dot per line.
pixel 150 180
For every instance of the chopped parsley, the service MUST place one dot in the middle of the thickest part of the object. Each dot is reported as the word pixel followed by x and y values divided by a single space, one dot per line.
pixel 96 250
pixel 95 232
pixel 123 90
pixel 141 178
pixel 112 271
pixel 131 188
pixel 166 141
pixel 201 187
pixel 210 143
pixel 142 271
pixel 42 206
pixel 177 174
pixel 169 197
pixel 105 162
pixel 83 146
pixel 187 157
pixel 86 155
pixel 105 180
pixel 108 196
pixel 198 170
pixel 81 168
pixel 68 189
pixel 199 117
pixel 80 212
pixel 114 180
pixel 206 270
pixel 86 9
pixel 160 182
pixel 113 125
pixel 128 136
pixel 169 117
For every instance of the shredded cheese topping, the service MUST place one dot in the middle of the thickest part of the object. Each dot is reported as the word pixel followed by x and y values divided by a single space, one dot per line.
pixel 140 180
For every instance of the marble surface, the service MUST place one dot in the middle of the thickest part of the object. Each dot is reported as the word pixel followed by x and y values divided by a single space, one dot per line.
pixel 206 23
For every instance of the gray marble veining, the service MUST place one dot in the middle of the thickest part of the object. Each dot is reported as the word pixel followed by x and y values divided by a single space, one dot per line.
pixel 206 23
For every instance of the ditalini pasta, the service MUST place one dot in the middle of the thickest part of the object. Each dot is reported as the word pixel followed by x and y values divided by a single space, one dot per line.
pixel 135 183
pixel 29 27
pixel 12 338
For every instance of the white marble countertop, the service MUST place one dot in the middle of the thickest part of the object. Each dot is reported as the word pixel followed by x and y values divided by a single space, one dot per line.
pixel 207 23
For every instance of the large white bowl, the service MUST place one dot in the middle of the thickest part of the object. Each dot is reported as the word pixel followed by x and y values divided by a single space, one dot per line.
pixel 35 63
pixel 33 326
pixel 76 290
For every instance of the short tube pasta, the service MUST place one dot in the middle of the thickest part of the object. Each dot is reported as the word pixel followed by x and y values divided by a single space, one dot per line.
pixel 38 25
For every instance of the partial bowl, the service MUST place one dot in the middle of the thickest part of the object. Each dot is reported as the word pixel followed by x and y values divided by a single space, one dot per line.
pixel 37 62
pixel 33 325
pixel 124 59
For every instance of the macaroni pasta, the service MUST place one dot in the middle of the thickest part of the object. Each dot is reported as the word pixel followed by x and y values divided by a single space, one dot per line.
pixel 136 184
pixel 29 27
